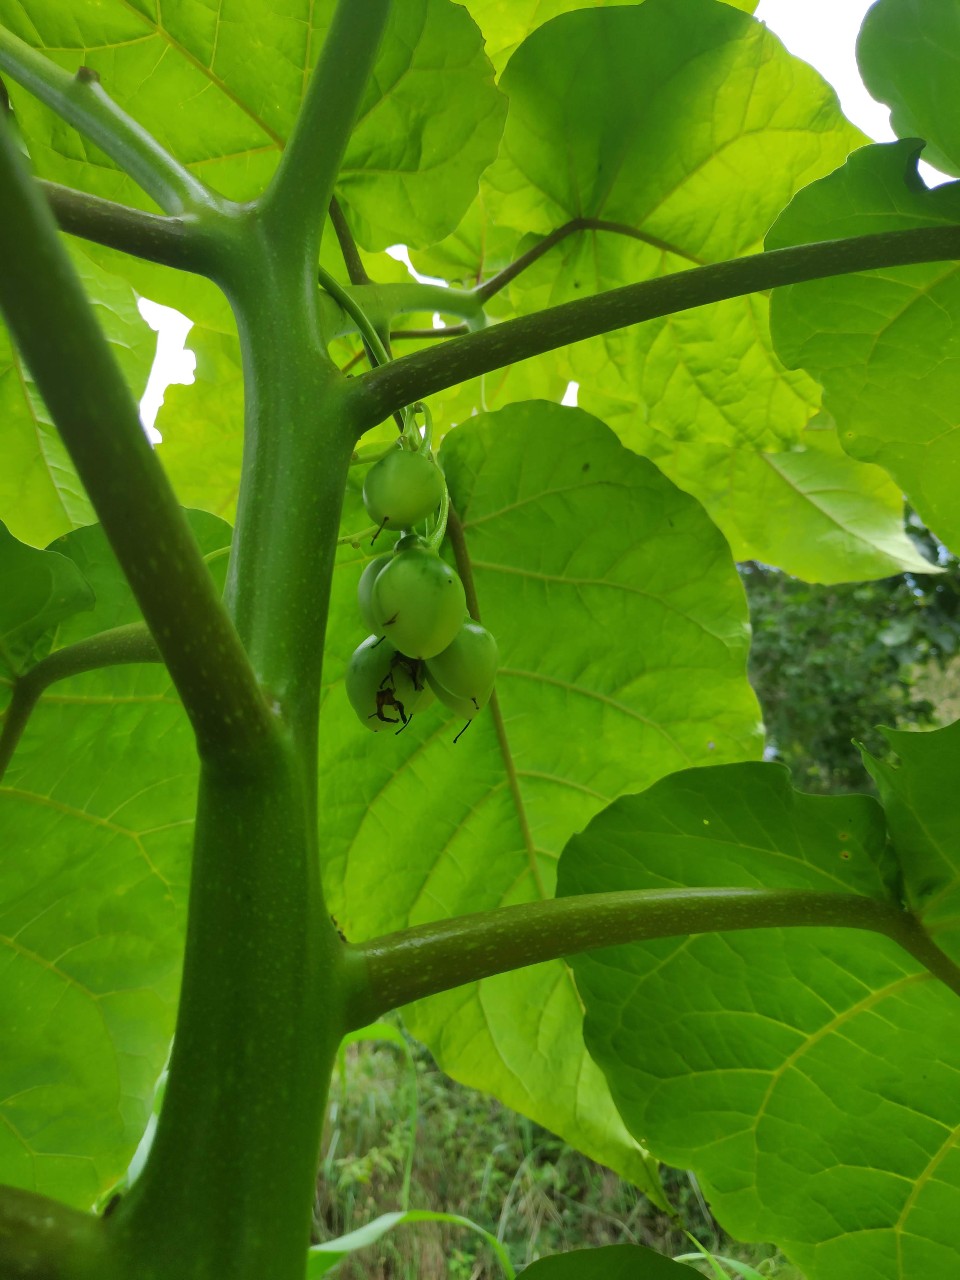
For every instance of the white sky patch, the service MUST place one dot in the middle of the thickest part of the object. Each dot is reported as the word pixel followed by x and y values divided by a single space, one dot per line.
pixel 401 253
pixel 824 33
pixel 570 395
pixel 172 364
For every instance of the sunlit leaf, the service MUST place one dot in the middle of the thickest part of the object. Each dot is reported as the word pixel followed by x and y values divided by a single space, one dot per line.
pixel 851 512
pixel 220 89
pixel 684 130
pixel 40 493
pixel 883 343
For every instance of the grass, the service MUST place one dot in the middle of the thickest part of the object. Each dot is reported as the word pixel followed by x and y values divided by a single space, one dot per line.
pixel 476 1158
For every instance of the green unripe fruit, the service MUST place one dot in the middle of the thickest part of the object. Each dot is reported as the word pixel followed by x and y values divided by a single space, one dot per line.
pixel 463 707
pixel 365 589
pixel 402 489
pixel 384 687
pixel 466 669
pixel 418 602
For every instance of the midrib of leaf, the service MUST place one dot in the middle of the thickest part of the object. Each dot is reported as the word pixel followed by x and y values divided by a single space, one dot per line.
pixel 465 569
pixel 81 815
pixel 920 1182
pixel 208 72
pixel 815 499
pixel 916 295
pixel 600 697
pixel 814 1038
pixel 53 968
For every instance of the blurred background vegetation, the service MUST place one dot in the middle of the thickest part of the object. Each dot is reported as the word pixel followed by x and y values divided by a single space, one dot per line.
pixel 829 664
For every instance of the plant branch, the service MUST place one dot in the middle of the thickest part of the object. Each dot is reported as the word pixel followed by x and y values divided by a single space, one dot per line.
pixel 98 421
pixel 423 373
pixel 420 335
pixel 419 962
pixel 382 302
pixel 132 643
pixel 171 241
pixel 493 286
pixel 80 100
pixel 372 341
pixel 348 246
pixel 298 197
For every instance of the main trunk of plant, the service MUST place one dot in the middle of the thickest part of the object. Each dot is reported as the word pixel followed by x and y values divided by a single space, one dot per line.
pixel 228 1186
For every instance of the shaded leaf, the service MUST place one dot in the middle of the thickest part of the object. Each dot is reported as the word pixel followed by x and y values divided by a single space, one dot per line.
pixel 907 53
pixel 91 910
pixel 918 790
pixel 622 633
pixel 507 23
pixel 883 343
pixel 615 1262
pixel 811 1077
pixel 38 590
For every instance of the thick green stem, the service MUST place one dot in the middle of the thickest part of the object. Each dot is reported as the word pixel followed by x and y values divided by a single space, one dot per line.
pixel 381 303
pixel 133 643
pixel 81 101
pixel 424 373
pixel 393 970
pixel 228 1186
pixel 98 421
pixel 298 198
pixel 173 242
pixel 297 447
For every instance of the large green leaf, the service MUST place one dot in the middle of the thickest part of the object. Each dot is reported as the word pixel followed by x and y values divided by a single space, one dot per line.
pixel 811 1077
pixel 851 513
pixel 507 23
pixel 40 494
pixel 918 789
pixel 907 52
pixel 429 122
pixel 687 127
pixel 98 802
pixel 883 343
pixel 622 632
pixel 38 590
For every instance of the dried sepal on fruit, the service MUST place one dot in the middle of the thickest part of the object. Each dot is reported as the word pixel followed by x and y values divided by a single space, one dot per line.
pixel 384 686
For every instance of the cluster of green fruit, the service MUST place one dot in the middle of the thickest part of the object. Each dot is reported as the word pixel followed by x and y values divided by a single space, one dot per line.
pixel 423 644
